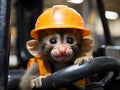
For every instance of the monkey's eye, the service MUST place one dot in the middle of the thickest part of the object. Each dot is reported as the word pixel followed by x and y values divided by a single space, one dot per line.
pixel 53 41
pixel 70 40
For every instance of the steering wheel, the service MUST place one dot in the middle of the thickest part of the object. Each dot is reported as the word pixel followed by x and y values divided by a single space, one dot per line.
pixel 76 72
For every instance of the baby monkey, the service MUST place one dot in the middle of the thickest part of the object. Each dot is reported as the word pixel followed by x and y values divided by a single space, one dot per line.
pixel 59 47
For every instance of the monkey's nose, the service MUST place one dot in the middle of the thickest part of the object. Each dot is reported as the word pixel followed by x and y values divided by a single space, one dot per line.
pixel 62 50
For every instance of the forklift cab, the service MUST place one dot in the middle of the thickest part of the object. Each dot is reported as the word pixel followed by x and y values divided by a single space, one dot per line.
pixel 105 65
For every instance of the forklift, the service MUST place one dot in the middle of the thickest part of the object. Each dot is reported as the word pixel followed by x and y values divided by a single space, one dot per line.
pixel 106 68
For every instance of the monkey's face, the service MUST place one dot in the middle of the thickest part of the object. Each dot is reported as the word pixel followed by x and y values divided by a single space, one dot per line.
pixel 61 45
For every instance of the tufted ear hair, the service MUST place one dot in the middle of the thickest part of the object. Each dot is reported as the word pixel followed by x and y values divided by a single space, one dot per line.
pixel 33 46
pixel 87 45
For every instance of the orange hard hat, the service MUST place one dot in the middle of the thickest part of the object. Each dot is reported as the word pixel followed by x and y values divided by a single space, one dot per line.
pixel 59 16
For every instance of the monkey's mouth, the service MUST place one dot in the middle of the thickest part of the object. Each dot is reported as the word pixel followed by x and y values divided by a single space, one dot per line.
pixel 62 58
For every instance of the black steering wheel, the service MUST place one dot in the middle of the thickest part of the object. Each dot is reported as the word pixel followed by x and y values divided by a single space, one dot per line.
pixel 76 72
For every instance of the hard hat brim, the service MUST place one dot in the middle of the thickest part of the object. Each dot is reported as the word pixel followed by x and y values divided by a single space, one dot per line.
pixel 35 33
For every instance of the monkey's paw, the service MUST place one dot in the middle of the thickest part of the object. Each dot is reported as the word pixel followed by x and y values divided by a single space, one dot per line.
pixel 37 82
pixel 81 60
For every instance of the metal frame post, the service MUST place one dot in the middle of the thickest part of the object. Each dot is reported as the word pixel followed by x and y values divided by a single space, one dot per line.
pixel 4 42
pixel 101 9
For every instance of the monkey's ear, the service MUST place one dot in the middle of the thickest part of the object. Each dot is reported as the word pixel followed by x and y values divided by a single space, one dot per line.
pixel 87 45
pixel 33 47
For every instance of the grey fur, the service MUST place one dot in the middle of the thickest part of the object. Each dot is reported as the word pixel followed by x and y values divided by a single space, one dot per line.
pixel 29 75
